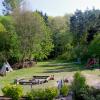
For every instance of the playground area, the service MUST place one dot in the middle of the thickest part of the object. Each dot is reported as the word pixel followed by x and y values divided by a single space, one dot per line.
pixel 42 72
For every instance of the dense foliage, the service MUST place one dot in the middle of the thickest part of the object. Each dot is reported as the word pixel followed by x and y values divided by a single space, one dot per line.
pixel 9 5
pixel 94 47
pixel 81 91
pixel 31 27
pixel 78 83
pixel 13 91
pixel 23 35
pixel 43 94
pixel 26 35
pixel 84 26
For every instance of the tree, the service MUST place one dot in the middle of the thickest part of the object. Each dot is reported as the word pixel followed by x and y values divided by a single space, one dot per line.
pixel 2 28
pixel 34 35
pixel 7 49
pixel 4 44
pixel 42 44
pixel 61 35
pixel 9 40
pixel 8 23
pixel 45 17
pixel 84 25
pixel 9 5
pixel 77 26
pixel 94 47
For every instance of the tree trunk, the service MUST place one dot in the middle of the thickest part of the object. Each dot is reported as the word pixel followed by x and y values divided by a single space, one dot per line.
pixel 23 60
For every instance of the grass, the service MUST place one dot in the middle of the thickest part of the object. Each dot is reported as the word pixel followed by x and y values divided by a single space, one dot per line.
pixel 58 69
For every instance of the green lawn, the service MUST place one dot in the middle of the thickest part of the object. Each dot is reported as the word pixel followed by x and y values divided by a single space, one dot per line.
pixel 59 69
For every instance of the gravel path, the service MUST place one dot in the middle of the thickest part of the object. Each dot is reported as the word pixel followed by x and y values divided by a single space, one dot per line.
pixel 93 80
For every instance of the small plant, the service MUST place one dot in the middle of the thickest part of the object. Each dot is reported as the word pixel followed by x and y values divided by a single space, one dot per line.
pixel 64 90
pixel 13 91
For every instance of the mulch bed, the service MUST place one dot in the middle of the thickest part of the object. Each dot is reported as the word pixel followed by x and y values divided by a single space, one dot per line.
pixel 7 98
pixel 24 98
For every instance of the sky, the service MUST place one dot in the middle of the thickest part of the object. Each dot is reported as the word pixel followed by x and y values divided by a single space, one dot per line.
pixel 60 7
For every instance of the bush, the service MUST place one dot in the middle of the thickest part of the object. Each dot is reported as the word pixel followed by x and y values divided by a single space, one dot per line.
pixel 89 93
pixel 13 91
pixel 82 91
pixel 40 94
pixel 36 94
pixel 64 90
pixel 78 85
pixel 51 93
pixel 84 94
pixel 98 97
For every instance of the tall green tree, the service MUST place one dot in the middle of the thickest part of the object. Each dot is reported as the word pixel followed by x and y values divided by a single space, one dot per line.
pixel 45 17
pixel 11 38
pixel 61 35
pixel 83 25
pixel 77 26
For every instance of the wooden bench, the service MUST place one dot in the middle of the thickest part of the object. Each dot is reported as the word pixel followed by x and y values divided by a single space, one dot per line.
pixel 41 77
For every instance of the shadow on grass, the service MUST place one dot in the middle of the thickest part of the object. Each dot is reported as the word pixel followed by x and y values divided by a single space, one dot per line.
pixel 62 66
pixel 68 67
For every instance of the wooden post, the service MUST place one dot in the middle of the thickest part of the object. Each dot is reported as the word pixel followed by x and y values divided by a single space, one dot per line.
pixel 31 84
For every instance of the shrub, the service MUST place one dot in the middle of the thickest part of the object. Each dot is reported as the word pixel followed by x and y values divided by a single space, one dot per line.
pixel 30 96
pixel 13 91
pixel 78 85
pixel 36 94
pixel 87 97
pixel 78 82
pixel 64 90
pixel 40 94
pixel 82 91
pixel 89 93
pixel 51 93
pixel 98 97
pixel 84 94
